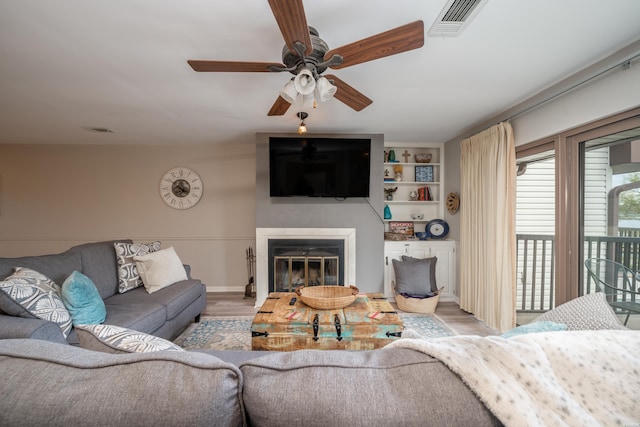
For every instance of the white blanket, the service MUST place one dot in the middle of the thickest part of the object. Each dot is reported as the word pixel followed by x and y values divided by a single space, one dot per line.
pixel 572 378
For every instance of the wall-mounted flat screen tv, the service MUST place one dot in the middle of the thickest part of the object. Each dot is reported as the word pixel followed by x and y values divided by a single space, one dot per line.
pixel 319 167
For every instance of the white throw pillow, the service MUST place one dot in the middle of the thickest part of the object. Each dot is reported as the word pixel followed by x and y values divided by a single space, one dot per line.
pixel 160 269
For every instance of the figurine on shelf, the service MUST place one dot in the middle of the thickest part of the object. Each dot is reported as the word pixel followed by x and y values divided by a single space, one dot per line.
pixel 413 196
pixel 388 192
pixel 392 156
pixel 397 169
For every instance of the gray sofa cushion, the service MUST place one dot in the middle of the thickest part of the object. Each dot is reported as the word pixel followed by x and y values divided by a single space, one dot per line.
pixel 59 385
pixel 175 297
pixel 143 316
pixel 99 264
pixel 19 327
pixel 387 387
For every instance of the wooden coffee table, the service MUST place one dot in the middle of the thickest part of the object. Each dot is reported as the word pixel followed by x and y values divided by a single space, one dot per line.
pixel 369 322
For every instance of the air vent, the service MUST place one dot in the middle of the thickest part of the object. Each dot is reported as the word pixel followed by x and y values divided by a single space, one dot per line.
pixel 455 17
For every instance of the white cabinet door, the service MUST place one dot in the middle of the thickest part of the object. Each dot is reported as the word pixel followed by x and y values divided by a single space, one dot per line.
pixel 443 250
pixel 392 250
pixel 445 268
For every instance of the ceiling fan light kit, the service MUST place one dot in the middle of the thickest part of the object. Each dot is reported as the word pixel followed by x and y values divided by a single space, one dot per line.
pixel 302 129
pixel 307 56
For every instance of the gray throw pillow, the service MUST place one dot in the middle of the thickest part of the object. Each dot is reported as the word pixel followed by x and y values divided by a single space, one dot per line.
pixel 114 339
pixel 432 271
pixel 588 312
pixel 415 276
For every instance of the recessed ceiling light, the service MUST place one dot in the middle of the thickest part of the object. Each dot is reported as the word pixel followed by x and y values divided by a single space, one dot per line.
pixel 99 129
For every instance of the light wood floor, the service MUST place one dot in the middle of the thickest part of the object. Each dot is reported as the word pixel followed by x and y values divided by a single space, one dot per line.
pixel 235 304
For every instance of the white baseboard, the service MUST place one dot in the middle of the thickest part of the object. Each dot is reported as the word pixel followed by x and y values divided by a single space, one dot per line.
pixel 225 289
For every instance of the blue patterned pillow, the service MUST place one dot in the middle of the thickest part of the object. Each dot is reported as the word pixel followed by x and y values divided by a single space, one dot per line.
pixel 38 295
pixel 82 299
pixel 114 339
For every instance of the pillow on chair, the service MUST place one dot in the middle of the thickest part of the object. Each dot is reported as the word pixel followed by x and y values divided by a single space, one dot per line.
pixel 588 312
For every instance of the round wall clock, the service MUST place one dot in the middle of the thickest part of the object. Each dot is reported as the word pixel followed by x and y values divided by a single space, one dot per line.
pixel 181 188
pixel 437 229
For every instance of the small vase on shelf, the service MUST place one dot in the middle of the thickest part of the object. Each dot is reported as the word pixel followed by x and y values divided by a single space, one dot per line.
pixel 387 212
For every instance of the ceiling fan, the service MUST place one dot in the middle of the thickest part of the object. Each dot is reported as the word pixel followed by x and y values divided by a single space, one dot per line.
pixel 306 55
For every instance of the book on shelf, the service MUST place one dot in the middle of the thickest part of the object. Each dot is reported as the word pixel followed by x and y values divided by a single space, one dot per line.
pixel 424 194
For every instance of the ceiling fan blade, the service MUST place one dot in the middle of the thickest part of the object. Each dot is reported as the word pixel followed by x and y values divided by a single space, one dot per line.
pixel 279 107
pixel 292 21
pixel 392 42
pixel 234 66
pixel 347 94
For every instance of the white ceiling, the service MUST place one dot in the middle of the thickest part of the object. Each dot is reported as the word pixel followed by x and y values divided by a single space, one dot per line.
pixel 66 65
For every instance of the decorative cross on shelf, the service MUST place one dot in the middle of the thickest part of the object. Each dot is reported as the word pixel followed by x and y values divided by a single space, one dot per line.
pixel 406 156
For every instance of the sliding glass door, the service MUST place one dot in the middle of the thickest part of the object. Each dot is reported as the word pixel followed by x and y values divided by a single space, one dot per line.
pixel 588 180
pixel 535 234
pixel 610 217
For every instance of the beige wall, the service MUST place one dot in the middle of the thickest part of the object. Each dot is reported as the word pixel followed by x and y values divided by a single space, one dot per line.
pixel 56 196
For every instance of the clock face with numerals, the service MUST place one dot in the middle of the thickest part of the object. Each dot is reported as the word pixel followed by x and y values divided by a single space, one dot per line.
pixel 181 188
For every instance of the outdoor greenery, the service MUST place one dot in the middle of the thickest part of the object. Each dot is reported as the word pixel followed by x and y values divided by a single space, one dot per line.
pixel 629 207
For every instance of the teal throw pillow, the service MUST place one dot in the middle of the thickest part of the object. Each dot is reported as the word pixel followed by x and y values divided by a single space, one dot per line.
pixel 529 328
pixel 82 299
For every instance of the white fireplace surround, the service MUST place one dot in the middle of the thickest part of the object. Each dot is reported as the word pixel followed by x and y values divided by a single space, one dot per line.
pixel 263 235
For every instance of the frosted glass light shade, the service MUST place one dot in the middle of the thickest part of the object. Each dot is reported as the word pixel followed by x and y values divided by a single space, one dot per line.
pixel 289 92
pixel 324 89
pixel 304 82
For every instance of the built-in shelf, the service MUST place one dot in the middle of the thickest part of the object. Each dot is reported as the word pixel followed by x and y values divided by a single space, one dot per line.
pixel 402 205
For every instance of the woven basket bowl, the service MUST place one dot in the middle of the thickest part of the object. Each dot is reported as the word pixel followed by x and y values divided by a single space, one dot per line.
pixel 327 297
pixel 416 305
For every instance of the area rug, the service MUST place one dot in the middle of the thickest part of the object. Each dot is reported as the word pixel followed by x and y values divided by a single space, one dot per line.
pixel 234 333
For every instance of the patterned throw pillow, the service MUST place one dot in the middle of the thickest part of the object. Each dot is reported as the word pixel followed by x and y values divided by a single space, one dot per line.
pixel 114 339
pixel 128 277
pixel 588 312
pixel 38 295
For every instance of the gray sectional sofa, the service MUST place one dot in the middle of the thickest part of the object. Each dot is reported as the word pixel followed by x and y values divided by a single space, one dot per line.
pixel 165 313
pixel 51 384
pixel 453 381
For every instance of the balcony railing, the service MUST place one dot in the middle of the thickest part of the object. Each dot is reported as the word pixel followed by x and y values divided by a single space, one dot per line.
pixel 535 286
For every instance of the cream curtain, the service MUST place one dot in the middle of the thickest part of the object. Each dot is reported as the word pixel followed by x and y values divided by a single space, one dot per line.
pixel 487 221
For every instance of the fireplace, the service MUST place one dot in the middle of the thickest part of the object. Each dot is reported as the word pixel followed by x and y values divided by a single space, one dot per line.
pixel 290 257
pixel 305 262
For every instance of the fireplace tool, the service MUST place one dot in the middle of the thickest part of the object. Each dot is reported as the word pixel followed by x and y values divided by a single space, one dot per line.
pixel 250 288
